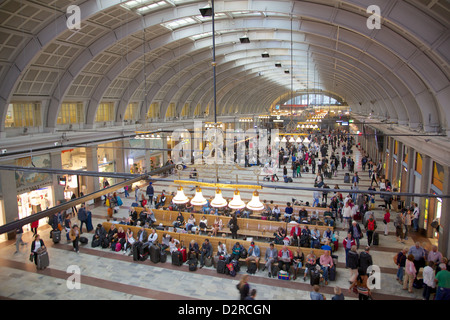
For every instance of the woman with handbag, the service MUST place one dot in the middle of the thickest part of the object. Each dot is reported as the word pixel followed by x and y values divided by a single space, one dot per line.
pixel 360 287
pixel 36 245
pixel 74 236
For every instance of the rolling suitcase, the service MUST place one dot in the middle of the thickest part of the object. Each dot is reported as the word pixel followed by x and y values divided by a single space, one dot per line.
pixel 332 273
pixel 156 253
pixel 315 277
pixel 208 261
pixel 143 252
pixel 347 178
pixel 135 249
pixel 42 259
pixel 163 256
pixel 221 266
pixel 376 239
pixel 193 262
pixel 177 258
pixel 56 236
pixel 183 252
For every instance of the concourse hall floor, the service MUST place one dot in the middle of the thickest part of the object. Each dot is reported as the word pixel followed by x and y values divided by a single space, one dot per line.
pixel 114 276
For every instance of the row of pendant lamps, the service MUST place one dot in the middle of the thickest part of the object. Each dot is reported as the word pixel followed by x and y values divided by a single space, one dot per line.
pixel 219 202
pixel 298 140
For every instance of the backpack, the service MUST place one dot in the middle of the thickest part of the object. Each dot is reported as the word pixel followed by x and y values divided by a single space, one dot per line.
pixel 371 225
pixel 193 264
pixel 252 268
pixel 231 270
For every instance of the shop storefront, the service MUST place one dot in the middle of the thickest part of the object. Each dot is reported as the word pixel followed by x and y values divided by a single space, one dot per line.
pixel 417 177
pixel 394 180
pixel 106 162
pixel 136 157
pixel 35 201
pixel 434 209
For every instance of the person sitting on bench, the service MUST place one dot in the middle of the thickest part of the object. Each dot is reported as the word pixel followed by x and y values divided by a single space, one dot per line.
pixel 285 259
pixel 162 200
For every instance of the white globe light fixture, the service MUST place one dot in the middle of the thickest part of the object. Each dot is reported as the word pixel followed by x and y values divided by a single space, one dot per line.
pixel 198 199
pixel 218 201
pixel 180 197
pixel 236 203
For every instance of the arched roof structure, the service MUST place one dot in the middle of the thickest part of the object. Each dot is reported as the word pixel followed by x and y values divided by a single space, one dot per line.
pixel 399 71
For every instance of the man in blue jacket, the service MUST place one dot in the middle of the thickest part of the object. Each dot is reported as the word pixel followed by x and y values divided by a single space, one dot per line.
pixel 150 192
pixel 82 216
pixel 254 254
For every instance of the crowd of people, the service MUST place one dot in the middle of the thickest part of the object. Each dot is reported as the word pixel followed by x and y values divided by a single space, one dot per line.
pixel 355 212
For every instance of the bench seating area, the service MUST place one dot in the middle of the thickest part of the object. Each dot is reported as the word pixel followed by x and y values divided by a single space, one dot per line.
pixel 186 238
pixel 255 228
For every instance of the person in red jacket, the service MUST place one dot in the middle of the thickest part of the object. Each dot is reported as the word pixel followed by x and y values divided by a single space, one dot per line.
pixel 386 220
pixel 348 243
pixel 296 230
pixel 285 258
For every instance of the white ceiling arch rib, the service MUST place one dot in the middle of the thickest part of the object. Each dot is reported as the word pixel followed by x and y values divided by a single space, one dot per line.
pixel 246 61
pixel 125 105
pixel 413 72
pixel 163 112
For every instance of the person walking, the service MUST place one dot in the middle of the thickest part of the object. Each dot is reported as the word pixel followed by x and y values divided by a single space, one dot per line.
pixel 386 220
pixel 371 226
pixel 443 283
pixel 19 241
pixel 410 273
pixel 150 192
pixel 400 261
pixel 82 216
pixel 429 285
pixel 243 287
pixel 353 263
pixel 75 237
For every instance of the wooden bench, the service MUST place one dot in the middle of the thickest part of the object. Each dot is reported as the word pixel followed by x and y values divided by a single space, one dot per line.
pixel 186 238
pixel 135 230
pixel 263 246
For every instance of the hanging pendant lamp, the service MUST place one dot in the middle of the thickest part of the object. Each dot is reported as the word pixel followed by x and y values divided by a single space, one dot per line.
pixel 218 201
pixel 237 202
pixel 255 204
pixel 180 197
pixel 198 199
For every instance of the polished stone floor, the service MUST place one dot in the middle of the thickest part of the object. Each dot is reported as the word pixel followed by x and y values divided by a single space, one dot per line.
pixel 113 276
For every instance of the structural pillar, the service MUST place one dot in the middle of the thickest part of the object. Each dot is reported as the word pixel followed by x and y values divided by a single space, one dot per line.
pixel 93 183
pixel 444 238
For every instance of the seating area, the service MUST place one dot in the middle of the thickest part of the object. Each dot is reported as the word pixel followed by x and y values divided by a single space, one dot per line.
pixel 186 238
pixel 256 228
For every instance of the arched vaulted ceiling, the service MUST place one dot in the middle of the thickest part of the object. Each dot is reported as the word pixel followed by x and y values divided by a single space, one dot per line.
pixel 400 71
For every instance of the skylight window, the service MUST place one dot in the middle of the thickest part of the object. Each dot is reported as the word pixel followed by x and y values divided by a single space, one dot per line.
pixel 144 6
pixel 172 25
pixel 201 35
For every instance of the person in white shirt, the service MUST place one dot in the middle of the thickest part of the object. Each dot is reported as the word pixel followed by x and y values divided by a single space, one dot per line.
pixel 429 285
pixel 153 237
pixel 347 213
pixel 416 214
pixel 173 245
pixel 222 249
